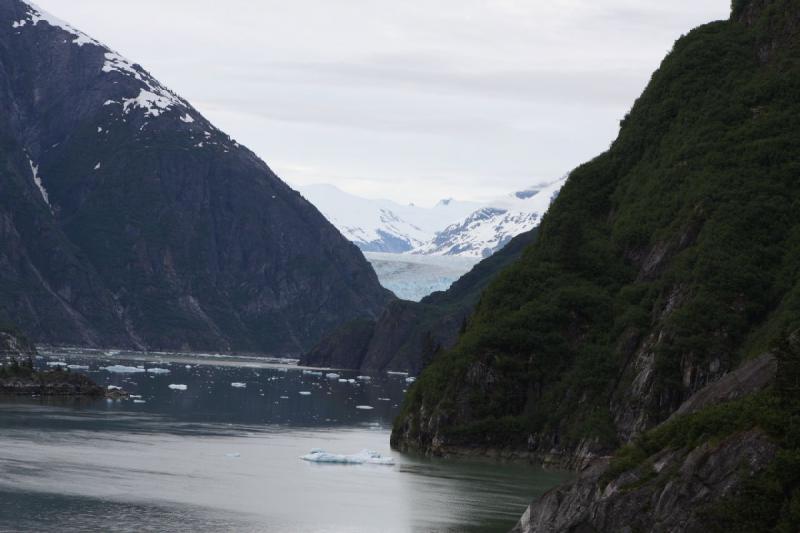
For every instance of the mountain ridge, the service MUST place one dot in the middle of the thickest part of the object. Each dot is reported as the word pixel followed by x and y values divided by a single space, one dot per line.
pixel 130 221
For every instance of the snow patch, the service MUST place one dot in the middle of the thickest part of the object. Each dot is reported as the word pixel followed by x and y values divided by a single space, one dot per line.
pixel 37 179
pixel 154 98
pixel 36 15
pixel 187 118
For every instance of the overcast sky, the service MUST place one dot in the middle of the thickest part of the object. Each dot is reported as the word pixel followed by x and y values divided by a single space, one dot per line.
pixel 411 100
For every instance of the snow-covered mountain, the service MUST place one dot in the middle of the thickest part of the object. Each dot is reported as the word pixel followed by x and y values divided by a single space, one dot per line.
pixel 451 227
pixel 383 225
pixel 486 230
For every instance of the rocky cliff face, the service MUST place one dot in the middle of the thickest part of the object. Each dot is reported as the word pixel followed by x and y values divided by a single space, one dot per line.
pixel 662 265
pixel 407 335
pixel 676 486
pixel 127 219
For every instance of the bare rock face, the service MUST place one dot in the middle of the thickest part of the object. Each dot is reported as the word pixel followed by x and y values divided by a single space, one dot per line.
pixel 127 219
pixel 673 486
pixel 685 481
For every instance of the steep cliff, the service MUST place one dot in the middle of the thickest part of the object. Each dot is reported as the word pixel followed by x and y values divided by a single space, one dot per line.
pixel 662 265
pixel 127 219
pixel 407 335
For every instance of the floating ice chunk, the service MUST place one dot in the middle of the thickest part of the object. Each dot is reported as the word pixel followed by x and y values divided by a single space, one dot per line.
pixel 411 380
pixel 177 386
pixel 139 401
pixel 114 387
pixel 122 369
pixel 284 397
pixel 364 378
pixel 365 407
pixel 187 367
pixel 158 370
pixel 351 380
pixel 304 393
pixel 395 373
pixel 385 399
pixel 332 375
pixel 238 385
pixel 318 455
pixel 135 396
pixel 342 380
pixel 56 363
pixel 312 373
pixel 97 166
pixel 78 367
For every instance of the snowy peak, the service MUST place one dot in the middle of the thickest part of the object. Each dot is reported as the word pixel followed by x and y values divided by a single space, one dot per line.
pixel 451 227
pixel 488 229
pixel 376 225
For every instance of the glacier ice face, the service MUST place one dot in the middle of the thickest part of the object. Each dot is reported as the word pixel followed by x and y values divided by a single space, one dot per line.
pixel 318 455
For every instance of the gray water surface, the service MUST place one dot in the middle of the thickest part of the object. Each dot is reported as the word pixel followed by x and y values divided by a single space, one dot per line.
pixel 219 458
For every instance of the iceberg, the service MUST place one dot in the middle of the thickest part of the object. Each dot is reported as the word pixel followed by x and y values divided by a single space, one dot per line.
pixel 122 369
pixel 318 455
pixel 177 386
pixel 238 385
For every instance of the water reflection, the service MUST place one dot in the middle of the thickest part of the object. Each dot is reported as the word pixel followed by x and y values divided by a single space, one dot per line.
pixel 220 458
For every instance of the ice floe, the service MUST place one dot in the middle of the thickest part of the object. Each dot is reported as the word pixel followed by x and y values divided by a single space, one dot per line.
pixel 177 386
pixel 304 393
pixel 365 407
pixel 318 455
pixel 238 385
pixel 332 375
pixel 158 370
pixel 56 363
pixel 122 369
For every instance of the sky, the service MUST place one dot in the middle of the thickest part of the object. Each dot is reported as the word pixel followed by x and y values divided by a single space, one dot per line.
pixel 413 101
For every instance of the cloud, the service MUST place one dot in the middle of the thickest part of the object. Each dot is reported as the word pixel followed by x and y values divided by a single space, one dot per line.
pixel 411 100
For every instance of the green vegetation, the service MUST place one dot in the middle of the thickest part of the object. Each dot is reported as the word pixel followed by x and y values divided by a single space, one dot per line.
pixel 683 237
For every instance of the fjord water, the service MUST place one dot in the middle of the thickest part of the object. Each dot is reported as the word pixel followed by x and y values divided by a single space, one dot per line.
pixel 215 457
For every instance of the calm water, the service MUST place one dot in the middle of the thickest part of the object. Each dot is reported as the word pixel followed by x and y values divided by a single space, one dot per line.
pixel 218 458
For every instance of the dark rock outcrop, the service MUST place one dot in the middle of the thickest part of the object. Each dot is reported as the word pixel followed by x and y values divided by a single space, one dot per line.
pixel 127 219
pixel 674 486
pixel 18 377
pixel 670 498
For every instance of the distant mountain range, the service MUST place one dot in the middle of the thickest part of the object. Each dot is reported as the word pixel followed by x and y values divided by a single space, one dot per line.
pixel 451 227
